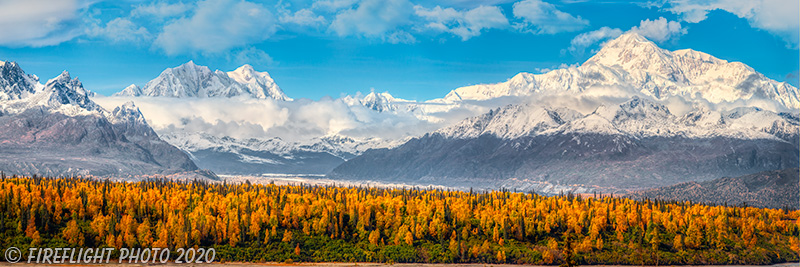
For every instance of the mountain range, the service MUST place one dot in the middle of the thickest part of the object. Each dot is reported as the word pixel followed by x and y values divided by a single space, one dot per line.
pixel 615 147
pixel 260 156
pixel 632 116
pixel 638 65
pixel 191 80
pixel 56 129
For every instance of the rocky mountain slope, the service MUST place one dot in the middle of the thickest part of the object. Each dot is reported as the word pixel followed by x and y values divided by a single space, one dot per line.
pixel 769 189
pixel 56 129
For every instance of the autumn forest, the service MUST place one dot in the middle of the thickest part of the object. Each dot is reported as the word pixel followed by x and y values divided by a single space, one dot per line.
pixel 301 223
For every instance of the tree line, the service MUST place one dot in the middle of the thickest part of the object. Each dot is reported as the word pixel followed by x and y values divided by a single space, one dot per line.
pixel 246 222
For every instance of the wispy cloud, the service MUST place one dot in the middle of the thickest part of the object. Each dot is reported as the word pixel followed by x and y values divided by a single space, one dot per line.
pixel 303 17
pixel 160 10
pixel 658 30
pixel 217 26
pixel 779 17
pixel 120 30
pixel 465 24
pixel 40 22
pixel 252 56
pixel 584 40
pixel 544 18
pixel 372 18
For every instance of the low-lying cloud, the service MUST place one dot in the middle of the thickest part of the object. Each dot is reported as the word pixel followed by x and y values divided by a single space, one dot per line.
pixel 301 119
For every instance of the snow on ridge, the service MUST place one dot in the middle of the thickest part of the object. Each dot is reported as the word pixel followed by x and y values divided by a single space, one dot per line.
pixel 192 80
pixel 631 62
pixel 637 118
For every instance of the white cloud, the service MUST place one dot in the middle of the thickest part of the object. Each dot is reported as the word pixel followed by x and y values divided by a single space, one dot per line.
pixel 779 17
pixel 465 24
pixel 659 30
pixel 579 44
pixel 221 116
pixel 297 120
pixel 252 56
pixel 303 17
pixel 544 18
pixel 217 26
pixel 401 37
pixel 160 10
pixel 333 5
pixel 120 30
pixel 40 22
pixel 372 18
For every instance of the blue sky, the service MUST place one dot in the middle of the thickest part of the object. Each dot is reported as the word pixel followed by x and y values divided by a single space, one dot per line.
pixel 412 49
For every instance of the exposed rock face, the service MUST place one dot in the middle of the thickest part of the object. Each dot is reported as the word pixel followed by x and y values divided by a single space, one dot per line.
pixel 57 130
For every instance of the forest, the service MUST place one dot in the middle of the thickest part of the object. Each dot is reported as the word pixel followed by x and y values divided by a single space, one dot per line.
pixel 302 223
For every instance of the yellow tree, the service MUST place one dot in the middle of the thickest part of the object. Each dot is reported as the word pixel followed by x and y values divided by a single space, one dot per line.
pixel 73 234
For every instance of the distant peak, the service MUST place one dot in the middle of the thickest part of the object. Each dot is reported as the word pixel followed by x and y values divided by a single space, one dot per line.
pixel 64 74
pixel 129 105
pixel 629 40
pixel 245 67
pixel 64 77
pixel 189 65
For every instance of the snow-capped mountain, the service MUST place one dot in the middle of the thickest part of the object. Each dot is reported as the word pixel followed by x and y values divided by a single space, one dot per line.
pixel 379 102
pixel 15 84
pixel 637 118
pixel 272 155
pixel 258 84
pixel 192 80
pixel 634 145
pixel 56 129
pixel 626 141
pixel 631 61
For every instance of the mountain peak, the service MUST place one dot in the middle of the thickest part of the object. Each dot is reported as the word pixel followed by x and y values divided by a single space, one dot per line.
pixel 630 39
pixel 192 80
pixel 64 76
pixel 127 112
pixel 630 50
pixel 245 68
pixel 131 90
pixel 378 101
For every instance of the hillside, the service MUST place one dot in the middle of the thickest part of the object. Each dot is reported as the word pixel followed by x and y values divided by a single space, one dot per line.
pixel 770 189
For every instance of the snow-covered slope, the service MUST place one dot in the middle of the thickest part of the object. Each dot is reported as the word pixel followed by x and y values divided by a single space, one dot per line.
pixel 61 94
pixel 56 129
pixel 257 84
pixel 192 80
pixel 634 63
pixel 272 155
pixel 615 148
pixel 636 118
pixel 14 83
